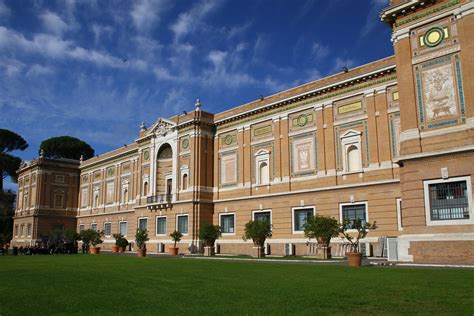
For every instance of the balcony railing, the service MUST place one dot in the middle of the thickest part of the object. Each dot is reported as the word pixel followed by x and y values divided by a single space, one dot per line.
pixel 159 201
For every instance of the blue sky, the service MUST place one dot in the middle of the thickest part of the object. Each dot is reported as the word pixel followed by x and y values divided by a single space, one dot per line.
pixel 96 69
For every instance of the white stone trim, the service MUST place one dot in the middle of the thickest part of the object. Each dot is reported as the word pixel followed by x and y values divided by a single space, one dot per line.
pixel 235 222
pixel 156 225
pixel 299 208
pixel 176 226
pixel 399 214
pixel 365 203
pixel 263 211
pixel 429 222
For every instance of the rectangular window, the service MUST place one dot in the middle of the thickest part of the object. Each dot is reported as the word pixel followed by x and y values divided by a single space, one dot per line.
pixel 353 211
pixel 84 197
pixel 28 230
pixel 183 224
pixel 262 216
pixel 143 223
pixel 94 227
pixel 81 228
pixel 22 230
pixel 449 201
pixel 228 223
pixel 108 229
pixel 300 216
pixel 123 226
pixel 161 225
pixel 16 230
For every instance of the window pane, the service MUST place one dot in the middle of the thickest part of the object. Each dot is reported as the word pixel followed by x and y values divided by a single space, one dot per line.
pixel 143 223
pixel 301 216
pixel 352 212
pixel 262 216
pixel 94 227
pixel 449 201
pixel 227 223
pixel 161 225
pixel 81 228
pixel 183 224
pixel 107 229
pixel 123 228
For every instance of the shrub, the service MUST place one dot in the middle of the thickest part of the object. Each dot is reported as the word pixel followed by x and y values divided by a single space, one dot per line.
pixel 117 238
pixel 323 228
pixel 258 231
pixel 209 234
pixel 90 236
pixel 122 242
pixel 141 237
pixel 361 229
pixel 176 237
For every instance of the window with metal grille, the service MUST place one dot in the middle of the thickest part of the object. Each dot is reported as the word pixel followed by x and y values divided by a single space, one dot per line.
pixel 108 229
pixel 352 212
pixel 227 223
pixel 449 201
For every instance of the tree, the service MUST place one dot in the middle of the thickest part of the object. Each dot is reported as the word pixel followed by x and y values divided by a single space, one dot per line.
pixel 323 228
pixel 209 234
pixel 258 231
pixel 6 216
pixel 65 147
pixel 10 141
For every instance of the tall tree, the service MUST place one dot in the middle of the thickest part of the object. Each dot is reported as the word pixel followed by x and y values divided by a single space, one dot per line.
pixel 6 216
pixel 66 147
pixel 9 164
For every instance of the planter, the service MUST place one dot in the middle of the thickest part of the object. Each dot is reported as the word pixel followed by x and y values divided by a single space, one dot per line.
pixel 354 259
pixel 94 250
pixel 141 252
pixel 115 249
pixel 173 251
pixel 122 249
pixel 259 252
pixel 209 251
pixel 323 252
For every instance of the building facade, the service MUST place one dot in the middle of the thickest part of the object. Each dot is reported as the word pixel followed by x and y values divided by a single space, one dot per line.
pixel 391 141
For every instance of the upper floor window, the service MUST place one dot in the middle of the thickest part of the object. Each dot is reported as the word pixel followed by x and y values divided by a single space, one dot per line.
pixel 449 201
pixel 184 183
pixel 28 230
pixel 95 202
pixel 58 198
pixel 352 151
pixel 84 197
pixel 262 161
pixel 125 195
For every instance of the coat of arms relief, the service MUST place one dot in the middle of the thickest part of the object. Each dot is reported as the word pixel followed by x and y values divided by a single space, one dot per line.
pixel 440 92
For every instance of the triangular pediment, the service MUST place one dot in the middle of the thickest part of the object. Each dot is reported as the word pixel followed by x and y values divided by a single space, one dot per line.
pixel 351 133
pixel 161 127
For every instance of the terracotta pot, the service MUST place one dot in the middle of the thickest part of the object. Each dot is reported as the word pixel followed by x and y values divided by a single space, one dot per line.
pixel 354 259
pixel 121 249
pixel 141 252
pixel 94 250
pixel 209 251
pixel 173 251
pixel 115 249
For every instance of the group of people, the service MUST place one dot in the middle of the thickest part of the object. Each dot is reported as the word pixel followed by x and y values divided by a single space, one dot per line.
pixel 42 248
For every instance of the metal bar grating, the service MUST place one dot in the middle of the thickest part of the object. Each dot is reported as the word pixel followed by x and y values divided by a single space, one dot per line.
pixel 449 201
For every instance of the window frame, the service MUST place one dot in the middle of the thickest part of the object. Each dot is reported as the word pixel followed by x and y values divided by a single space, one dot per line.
pixel 446 222
pixel 81 226
pixel 28 230
pixel 105 230
pixel 126 226
pixel 235 226
pixel 348 139
pixel 94 224
pixel 341 206
pixel 262 157
pixel 166 225
pixel 293 222
pixel 187 224
pixel 263 211
pixel 142 218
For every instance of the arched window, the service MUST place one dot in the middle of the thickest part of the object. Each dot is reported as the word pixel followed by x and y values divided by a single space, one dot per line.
pixel 96 198
pixel 184 184
pixel 263 172
pixel 125 195
pixel 145 188
pixel 353 158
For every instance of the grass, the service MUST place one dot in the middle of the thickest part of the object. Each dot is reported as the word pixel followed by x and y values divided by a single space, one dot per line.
pixel 124 285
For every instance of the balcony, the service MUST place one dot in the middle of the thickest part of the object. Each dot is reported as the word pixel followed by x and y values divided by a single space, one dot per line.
pixel 158 202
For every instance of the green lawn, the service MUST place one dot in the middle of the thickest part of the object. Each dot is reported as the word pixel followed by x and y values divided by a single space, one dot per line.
pixel 123 285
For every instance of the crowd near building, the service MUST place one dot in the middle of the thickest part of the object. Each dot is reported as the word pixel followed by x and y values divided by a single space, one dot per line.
pixel 391 141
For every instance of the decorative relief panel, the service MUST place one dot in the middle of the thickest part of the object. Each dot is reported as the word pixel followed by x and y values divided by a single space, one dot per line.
pixel 228 139
pixel 349 107
pixel 395 134
pixel 97 175
pixel 303 152
pixel 184 143
pixel 126 167
pixel 110 172
pixel 85 179
pixel 262 130
pixel 302 120
pixel 393 97
pixel 439 90
pixel 228 168
pixel 59 178
pixel 146 155
pixel 358 126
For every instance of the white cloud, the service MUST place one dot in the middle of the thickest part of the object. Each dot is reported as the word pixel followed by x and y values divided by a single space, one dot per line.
pixel 342 62
pixel 217 58
pixel 53 23
pixel 11 67
pixel 319 51
pixel 372 17
pixel 39 70
pixel 145 14
pixel 100 30
pixel 190 21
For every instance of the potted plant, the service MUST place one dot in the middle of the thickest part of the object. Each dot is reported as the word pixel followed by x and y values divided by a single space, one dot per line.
pixel 122 243
pixel 141 237
pixel 90 236
pixel 353 231
pixel 175 237
pixel 209 234
pixel 322 228
pixel 116 247
pixel 258 231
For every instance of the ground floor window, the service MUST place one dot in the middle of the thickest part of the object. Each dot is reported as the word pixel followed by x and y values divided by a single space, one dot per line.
pixel 262 216
pixel 161 225
pixel 22 230
pixel 94 226
pixel 16 230
pixel 143 223
pixel 300 216
pixel 28 230
pixel 183 224
pixel 108 229
pixel 81 228
pixel 123 226
pixel 351 212
pixel 227 223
